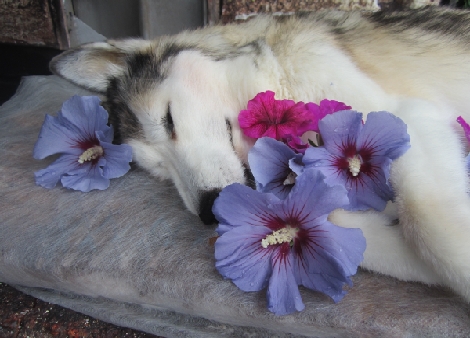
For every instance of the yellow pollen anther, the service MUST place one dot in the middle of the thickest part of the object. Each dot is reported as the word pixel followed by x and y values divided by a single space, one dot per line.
pixel 355 165
pixel 284 235
pixel 91 154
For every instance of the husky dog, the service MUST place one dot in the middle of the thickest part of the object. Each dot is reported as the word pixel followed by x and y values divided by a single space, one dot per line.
pixel 176 100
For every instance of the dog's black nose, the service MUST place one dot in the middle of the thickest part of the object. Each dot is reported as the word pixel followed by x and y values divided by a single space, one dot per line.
pixel 205 206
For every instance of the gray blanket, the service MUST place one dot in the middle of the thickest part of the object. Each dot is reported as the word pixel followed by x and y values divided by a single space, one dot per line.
pixel 132 255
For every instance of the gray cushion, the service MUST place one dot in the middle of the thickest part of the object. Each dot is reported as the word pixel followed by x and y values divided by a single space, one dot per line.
pixel 132 255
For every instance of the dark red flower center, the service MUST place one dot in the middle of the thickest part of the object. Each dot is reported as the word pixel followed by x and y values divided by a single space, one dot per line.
pixel 92 150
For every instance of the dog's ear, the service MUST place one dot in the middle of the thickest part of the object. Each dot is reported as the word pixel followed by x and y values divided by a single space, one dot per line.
pixel 92 65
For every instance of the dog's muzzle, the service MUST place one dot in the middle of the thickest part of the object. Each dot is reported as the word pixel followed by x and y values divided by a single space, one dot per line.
pixel 205 206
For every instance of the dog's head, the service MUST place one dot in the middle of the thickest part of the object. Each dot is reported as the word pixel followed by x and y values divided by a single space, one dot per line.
pixel 176 107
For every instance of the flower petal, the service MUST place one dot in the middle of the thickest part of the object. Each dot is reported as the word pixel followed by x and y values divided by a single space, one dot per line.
pixel 49 176
pixel 277 188
pixel 86 113
pixel 331 106
pixel 296 165
pixel 267 117
pixel 465 126
pixel 241 258
pixel 117 158
pixel 86 178
pixel 340 131
pixel 371 190
pixel 283 292
pixel 251 206
pixel 327 256
pixel 321 159
pixel 330 280
pixel 296 143
pixel 311 198
pixel 54 138
pixel 253 120
pixel 291 118
pixel 269 164
pixel 347 245
pixel 269 160
pixel 384 134
pixel 326 107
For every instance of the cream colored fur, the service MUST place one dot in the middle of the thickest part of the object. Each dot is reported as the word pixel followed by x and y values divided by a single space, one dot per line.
pixel 422 77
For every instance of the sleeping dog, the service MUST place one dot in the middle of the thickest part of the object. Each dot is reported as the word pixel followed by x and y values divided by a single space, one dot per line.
pixel 176 100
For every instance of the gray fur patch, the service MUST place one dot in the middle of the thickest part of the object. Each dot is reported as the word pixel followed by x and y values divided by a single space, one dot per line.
pixel 144 70
pixel 445 22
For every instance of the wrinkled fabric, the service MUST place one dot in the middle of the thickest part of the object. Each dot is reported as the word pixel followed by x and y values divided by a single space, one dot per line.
pixel 133 256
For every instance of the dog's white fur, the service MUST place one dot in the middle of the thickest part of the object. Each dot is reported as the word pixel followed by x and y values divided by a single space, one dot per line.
pixel 420 75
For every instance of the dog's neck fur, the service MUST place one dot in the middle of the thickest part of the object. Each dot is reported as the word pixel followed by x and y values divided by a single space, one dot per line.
pixel 280 73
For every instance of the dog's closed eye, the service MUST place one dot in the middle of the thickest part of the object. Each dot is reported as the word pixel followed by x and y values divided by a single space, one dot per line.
pixel 168 123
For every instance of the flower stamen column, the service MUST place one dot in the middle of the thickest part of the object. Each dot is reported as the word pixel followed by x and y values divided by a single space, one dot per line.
pixel 284 235
pixel 355 165
pixel 91 154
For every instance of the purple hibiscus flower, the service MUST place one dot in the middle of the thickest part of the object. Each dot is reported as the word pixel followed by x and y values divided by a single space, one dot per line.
pixel 281 244
pixel 358 156
pixel 270 163
pixel 81 135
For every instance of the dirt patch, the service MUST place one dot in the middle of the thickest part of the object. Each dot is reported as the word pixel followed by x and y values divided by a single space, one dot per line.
pixel 25 316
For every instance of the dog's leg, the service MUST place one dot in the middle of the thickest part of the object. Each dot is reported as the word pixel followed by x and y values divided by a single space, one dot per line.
pixel 432 241
pixel 431 183
pixel 386 252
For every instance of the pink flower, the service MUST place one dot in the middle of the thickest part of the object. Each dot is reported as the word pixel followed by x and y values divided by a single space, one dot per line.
pixel 296 144
pixel 267 117
pixel 325 107
pixel 465 127
pixel 300 143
